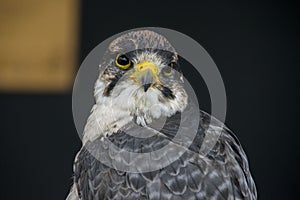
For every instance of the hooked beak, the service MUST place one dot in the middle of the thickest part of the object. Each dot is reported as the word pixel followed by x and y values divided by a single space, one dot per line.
pixel 146 74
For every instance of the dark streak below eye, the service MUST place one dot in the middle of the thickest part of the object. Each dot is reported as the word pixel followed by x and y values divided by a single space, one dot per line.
pixel 108 89
pixel 167 92
pixel 111 85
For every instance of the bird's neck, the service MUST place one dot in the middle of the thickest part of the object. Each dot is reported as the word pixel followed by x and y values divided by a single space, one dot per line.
pixel 105 120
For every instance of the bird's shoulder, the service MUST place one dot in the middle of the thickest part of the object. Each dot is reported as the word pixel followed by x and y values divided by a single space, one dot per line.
pixel 220 173
pixel 229 155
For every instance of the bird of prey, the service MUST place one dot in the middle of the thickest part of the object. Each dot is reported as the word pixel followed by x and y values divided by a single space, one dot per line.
pixel 140 83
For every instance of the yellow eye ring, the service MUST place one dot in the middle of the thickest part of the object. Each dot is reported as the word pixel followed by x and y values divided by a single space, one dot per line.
pixel 171 64
pixel 167 71
pixel 123 62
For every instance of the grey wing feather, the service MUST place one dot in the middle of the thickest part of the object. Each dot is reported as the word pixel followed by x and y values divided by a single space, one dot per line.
pixel 221 174
pixel 229 152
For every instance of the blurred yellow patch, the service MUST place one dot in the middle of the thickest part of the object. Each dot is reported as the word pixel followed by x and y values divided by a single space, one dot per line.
pixel 38 45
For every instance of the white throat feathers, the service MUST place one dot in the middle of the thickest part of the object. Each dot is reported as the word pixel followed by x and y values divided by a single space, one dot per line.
pixel 128 101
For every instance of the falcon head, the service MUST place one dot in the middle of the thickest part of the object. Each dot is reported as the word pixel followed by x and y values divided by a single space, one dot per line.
pixel 140 75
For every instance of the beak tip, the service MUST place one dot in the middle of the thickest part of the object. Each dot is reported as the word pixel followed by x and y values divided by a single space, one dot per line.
pixel 146 87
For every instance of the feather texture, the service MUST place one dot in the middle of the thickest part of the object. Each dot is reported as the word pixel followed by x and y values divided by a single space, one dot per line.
pixel 221 174
pixel 213 166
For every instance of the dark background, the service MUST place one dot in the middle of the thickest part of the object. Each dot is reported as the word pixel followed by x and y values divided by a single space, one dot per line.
pixel 255 45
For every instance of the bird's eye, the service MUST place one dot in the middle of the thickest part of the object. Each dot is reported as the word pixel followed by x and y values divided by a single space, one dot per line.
pixel 167 71
pixel 123 62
